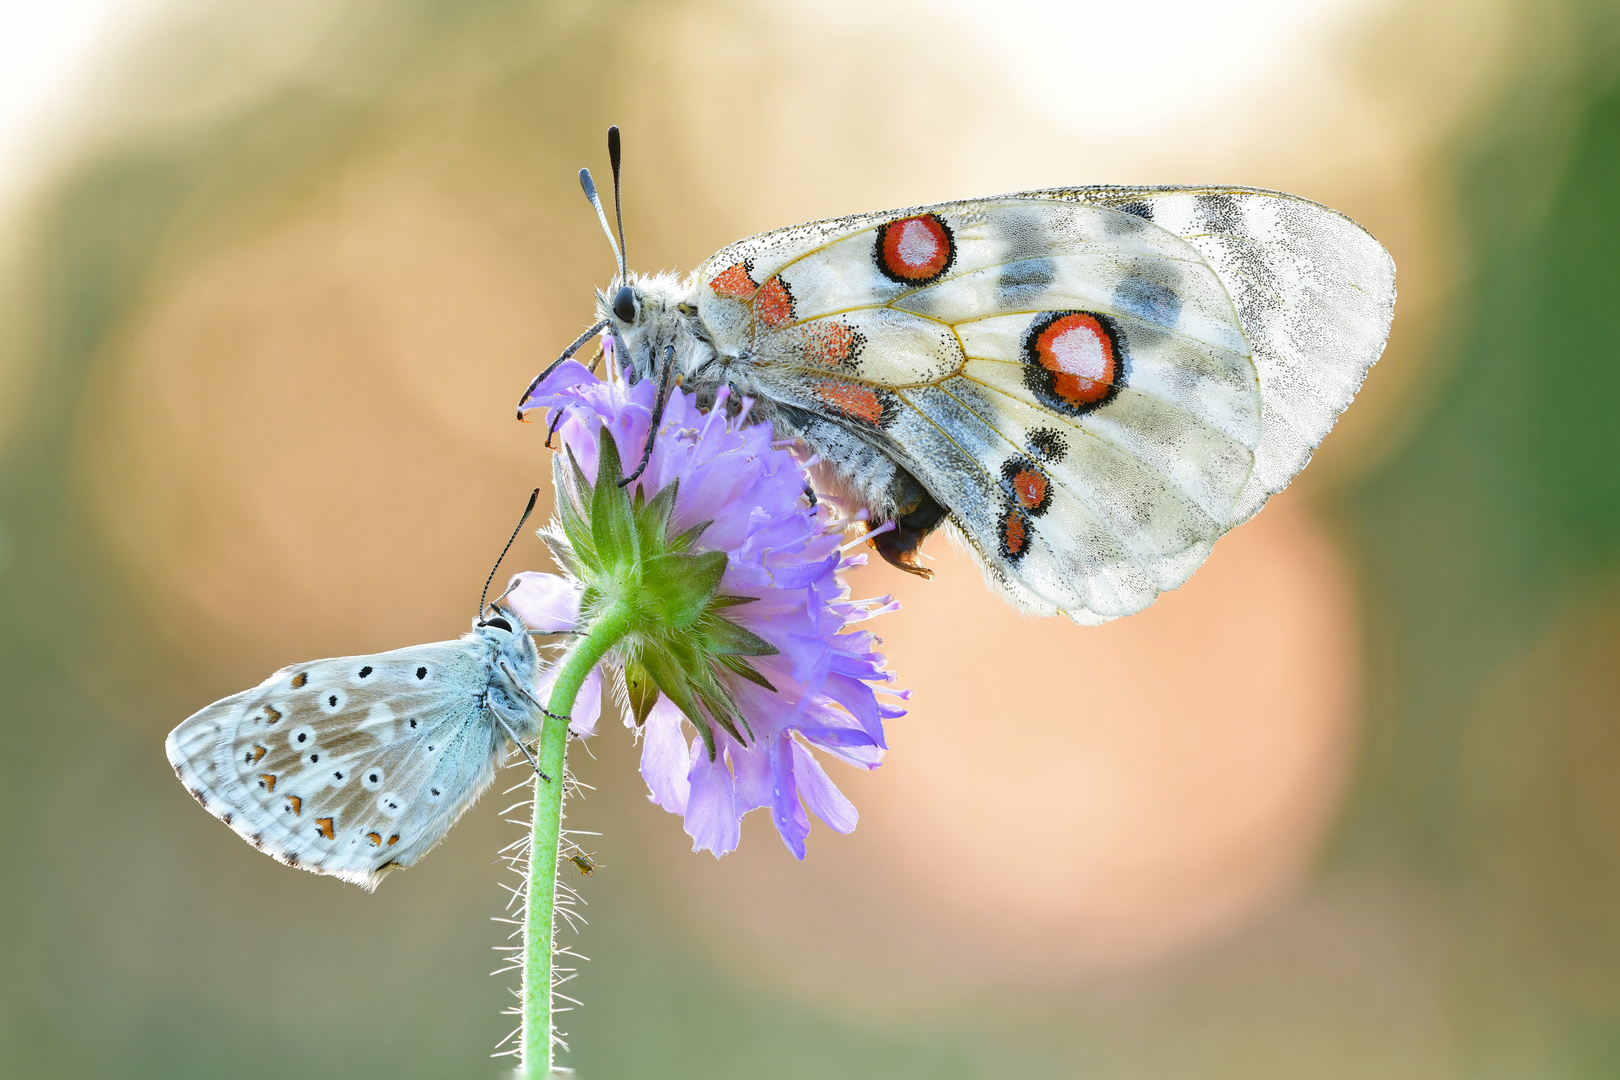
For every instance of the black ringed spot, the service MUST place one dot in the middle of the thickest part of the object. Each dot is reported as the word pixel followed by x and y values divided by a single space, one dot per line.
pixel 1027 485
pixel 917 250
pixel 1014 534
pixel 1073 361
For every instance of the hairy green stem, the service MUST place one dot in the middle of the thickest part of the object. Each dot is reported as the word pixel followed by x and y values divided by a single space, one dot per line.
pixel 540 916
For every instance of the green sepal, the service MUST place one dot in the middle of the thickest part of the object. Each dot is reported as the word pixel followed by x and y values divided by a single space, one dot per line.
pixel 730 601
pixel 723 637
pixel 738 666
pixel 685 541
pixel 562 552
pixel 641 690
pixel 652 520
pixel 574 528
pixel 721 705
pixel 677 588
pixel 582 483
pixel 666 672
pixel 613 526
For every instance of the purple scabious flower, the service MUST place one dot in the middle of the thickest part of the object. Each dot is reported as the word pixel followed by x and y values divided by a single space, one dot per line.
pixel 770 670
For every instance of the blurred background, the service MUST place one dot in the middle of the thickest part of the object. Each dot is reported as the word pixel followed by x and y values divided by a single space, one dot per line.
pixel 272 276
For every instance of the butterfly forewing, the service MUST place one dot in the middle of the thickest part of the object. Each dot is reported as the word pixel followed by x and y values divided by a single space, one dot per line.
pixel 348 766
pixel 1315 293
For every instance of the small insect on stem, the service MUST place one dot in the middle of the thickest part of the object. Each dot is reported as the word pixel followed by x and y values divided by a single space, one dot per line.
pixel 583 864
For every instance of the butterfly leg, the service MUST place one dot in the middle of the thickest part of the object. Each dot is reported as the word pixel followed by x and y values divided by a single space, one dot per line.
pixel 657 416
pixel 568 352
pixel 513 736
pixel 520 688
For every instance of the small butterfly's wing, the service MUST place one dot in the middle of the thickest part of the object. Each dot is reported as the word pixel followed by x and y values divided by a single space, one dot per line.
pixel 1073 381
pixel 349 766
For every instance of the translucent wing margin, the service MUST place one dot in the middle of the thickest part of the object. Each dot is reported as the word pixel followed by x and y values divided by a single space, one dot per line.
pixel 350 766
pixel 1315 292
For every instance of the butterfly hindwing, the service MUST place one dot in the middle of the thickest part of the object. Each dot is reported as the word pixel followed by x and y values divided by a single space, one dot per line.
pixel 348 766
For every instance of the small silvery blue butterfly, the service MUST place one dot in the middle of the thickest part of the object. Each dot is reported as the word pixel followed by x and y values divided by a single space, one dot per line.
pixel 1086 387
pixel 357 765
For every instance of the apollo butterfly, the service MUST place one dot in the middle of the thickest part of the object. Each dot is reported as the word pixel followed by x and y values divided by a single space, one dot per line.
pixel 1086 386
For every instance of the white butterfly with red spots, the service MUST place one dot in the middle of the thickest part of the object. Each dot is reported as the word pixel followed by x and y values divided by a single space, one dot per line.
pixel 358 765
pixel 1085 386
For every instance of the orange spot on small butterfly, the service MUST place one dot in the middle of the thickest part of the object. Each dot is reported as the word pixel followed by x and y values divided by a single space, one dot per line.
pixel 267 782
pixel 300 679
pixel 271 714
pixel 774 304
pixel 392 840
pixel 375 838
pixel 733 282
pixel 296 805
pixel 859 402
pixel 325 825
pixel 259 752
pixel 1029 487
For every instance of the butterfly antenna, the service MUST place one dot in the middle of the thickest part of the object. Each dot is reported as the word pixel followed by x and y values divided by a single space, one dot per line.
pixel 657 416
pixel 614 158
pixel 484 596
pixel 589 186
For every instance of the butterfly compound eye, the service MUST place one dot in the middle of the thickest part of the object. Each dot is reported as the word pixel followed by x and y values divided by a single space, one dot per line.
pixel 499 622
pixel 624 304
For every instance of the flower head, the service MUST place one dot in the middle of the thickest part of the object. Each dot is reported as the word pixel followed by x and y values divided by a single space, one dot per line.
pixel 724 573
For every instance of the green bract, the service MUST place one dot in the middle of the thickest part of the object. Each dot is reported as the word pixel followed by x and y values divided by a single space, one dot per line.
pixel 667 595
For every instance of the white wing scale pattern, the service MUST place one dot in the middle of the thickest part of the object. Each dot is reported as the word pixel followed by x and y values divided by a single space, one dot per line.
pixel 349 766
pixel 1244 322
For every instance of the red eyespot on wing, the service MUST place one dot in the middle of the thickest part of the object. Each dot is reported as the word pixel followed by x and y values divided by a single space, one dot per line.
pixel 915 250
pixel 1029 488
pixel 1078 355
pixel 734 282
pixel 857 402
pixel 774 304
pixel 1015 534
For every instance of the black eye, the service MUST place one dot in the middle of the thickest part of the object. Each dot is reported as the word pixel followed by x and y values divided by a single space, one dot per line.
pixel 624 304
pixel 500 622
